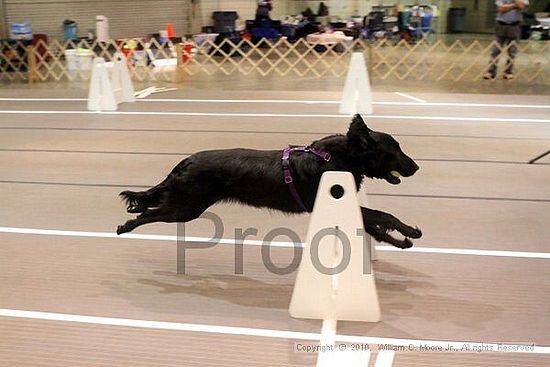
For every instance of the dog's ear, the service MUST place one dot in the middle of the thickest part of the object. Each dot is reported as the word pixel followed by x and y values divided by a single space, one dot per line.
pixel 358 125
pixel 359 134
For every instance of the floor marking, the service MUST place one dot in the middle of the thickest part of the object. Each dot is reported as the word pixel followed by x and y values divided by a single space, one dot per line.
pixel 43 99
pixel 213 131
pixel 539 157
pixel 423 196
pixel 230 241
pixel 76 184
pixel 385 358
pixel 286 115
pixel 269 333
pixel 458 104
pixel 184 100
pixel 152 113
pixel 183 154
pixel 452 197
pixel 410 97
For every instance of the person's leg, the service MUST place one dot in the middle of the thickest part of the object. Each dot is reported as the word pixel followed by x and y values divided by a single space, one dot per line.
pixel 513 38
pixel 495 52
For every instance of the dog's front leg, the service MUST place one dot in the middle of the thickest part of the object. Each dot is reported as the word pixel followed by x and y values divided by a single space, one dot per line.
pixel 389 222
pixel 382 236
pixel 378 223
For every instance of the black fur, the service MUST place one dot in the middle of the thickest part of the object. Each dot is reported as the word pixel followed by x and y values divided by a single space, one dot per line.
pixel 255 177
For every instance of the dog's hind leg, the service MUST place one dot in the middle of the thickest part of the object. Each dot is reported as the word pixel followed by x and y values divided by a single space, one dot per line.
pixel 133 201
pixel 134 223
pixel 163 214
pixel 139 202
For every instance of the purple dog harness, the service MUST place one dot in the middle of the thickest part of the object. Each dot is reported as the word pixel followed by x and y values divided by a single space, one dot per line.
pixel 287 173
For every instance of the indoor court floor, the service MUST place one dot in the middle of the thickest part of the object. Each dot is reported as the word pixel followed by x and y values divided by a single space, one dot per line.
pixel 72 293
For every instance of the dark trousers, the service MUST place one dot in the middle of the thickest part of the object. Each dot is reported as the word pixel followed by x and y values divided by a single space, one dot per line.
pixel 507 38
pixel 262 12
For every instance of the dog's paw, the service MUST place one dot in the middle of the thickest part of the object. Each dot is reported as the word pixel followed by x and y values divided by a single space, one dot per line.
pixel 133 209
pixel 406 243
pixel 120 230
pixel 411 232
pixel 416 233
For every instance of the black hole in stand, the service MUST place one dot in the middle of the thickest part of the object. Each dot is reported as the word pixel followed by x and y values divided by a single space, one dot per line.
pixel 337 191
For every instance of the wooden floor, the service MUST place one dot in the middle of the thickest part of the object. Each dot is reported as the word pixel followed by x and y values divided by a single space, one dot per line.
pixel 72 294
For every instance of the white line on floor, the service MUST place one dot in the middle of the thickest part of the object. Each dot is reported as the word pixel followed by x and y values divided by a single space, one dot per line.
pixel 453 104
pixel 269 333
pixel 229 241
pixel 185 100
pixel 385 358
pixel 410 97
pixel 392 117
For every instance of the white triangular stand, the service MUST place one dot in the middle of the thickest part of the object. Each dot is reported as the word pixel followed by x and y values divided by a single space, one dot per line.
pixel 336 237
pixel 100 94
pixel 106 92
pixel 121 80
pixel 351 293
pixel 357 95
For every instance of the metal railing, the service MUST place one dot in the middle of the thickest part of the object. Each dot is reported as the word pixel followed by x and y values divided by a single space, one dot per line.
pixel 150 60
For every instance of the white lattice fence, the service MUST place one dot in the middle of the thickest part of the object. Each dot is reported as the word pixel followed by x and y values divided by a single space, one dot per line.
pixel 151 60
pixel 457 61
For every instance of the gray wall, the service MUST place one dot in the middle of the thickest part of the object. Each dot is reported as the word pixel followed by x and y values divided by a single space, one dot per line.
pixel 127 18
pixel 3 30
pixel 132 18
pixel 480 14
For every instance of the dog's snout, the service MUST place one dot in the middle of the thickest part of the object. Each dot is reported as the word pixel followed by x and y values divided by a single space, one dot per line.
pixel 410 167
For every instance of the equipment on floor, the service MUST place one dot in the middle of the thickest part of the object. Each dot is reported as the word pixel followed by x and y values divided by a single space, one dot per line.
pixel 335 280
pixel 357 95
pixel 107 91
pixel 152 90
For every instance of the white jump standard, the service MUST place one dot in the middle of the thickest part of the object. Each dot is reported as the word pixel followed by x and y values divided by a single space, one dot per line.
pixel 335 280
pixel 106 92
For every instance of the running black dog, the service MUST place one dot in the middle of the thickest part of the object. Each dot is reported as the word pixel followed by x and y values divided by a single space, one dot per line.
pixel 259 178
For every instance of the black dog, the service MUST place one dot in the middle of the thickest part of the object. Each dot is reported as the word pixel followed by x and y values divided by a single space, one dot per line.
pixel 255 177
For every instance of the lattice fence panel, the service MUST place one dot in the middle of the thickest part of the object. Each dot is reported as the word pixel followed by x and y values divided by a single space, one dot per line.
pixel 152 61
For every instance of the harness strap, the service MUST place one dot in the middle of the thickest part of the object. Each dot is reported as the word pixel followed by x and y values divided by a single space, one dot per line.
pixel 287 172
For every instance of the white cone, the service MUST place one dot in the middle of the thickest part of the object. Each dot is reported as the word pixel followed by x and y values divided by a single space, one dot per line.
pixel 124 80
pixel 106 92
pixel 100 94
pixel 357 95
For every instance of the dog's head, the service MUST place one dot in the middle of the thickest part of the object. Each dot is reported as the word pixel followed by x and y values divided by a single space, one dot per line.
pixel 378 153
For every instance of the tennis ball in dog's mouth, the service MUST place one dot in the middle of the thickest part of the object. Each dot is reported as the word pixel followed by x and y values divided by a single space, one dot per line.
pixel 395 174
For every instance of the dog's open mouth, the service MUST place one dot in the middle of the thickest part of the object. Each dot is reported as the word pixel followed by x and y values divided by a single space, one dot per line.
pixel 393 177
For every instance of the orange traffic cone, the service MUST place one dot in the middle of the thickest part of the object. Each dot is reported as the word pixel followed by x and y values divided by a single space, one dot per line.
pixel 169 30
